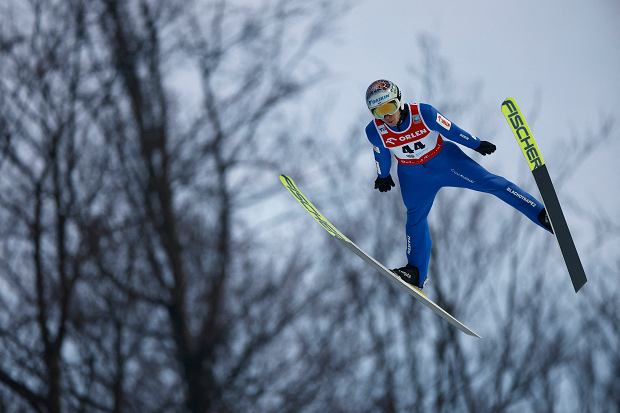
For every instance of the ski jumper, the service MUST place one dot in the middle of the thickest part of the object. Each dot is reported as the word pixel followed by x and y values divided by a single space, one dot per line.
pixel 426 163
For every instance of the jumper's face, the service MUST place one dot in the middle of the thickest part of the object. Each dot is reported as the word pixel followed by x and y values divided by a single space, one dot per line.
pixel 393 118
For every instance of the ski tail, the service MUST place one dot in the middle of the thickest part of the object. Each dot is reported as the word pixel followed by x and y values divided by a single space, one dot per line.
pixel 536 162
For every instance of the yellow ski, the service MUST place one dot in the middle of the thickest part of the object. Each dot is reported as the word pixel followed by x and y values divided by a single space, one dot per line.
pixel 332 230
pixel 534 158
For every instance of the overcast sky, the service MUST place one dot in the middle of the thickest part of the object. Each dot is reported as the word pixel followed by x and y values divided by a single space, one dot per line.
pixel 562 55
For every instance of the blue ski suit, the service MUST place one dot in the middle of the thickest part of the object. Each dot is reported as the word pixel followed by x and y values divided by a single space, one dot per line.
pixel 426 163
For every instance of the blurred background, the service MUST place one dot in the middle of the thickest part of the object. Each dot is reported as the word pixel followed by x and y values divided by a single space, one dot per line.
pixel 151 261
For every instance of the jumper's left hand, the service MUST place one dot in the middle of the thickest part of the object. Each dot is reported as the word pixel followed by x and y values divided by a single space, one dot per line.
pixel 485 148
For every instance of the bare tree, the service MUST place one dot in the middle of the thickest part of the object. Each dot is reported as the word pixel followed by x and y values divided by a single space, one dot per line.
pixel 199 261
pixel 149 263
pixel 136 283
pixel 48 196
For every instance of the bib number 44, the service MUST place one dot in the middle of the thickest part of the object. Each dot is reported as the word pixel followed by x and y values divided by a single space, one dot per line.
pixel 416 146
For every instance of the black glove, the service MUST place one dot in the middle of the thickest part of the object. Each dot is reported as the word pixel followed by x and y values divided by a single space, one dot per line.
pixel 384 184
pixel 485 148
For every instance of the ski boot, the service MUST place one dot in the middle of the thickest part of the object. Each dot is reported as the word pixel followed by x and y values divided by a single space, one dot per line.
pixel 544 220
pixel 410 274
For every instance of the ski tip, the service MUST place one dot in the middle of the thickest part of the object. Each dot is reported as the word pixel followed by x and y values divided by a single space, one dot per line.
pixel 509 105
pixel 285 179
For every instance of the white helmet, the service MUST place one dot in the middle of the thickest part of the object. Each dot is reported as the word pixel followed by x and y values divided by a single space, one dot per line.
pixel 379 93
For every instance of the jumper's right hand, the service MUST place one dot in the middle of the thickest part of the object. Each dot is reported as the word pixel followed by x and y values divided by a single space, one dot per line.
pixel 384 184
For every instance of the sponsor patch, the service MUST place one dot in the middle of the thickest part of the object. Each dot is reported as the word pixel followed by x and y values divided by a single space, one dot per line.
pixel 376 149
pixel 518 195
pixel 418 134
pixel 444 122
pixel 416 119
pixel 462 176
pixel 377 100
pixel 382 129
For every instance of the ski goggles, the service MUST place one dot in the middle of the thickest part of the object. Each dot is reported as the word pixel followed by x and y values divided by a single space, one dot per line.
pixel 388 108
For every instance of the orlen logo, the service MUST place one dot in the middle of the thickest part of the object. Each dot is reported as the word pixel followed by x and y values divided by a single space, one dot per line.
pixel 407 137
pixel 415 134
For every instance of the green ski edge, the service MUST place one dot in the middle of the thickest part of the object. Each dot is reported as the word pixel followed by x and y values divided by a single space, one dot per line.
pixel 332 230
pixel 533 155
